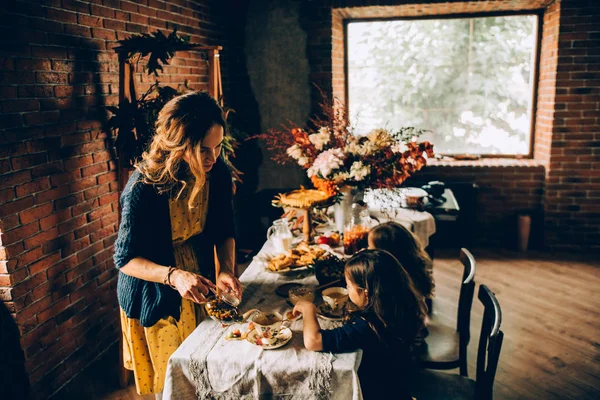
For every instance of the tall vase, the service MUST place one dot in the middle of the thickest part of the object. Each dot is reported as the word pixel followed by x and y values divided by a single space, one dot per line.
pixel 342 211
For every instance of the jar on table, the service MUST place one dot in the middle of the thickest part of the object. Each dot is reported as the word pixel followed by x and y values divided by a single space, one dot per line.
pixel 357 230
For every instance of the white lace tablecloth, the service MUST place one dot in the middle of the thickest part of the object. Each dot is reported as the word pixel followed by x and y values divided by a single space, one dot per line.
pixel 384 204
pixel 206 366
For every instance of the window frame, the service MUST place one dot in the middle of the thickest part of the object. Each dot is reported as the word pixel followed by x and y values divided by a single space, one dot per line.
pixel 536 63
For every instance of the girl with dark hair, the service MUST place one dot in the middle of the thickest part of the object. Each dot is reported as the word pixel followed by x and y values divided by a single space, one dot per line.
pixel 389 316
pixel 176 215
pixel 407 249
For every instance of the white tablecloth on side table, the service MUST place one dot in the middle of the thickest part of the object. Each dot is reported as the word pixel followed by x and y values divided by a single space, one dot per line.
pixel 206 366
pixel 386 207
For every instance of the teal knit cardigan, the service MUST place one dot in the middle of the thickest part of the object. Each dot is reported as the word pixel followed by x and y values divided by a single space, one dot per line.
pixel 145 231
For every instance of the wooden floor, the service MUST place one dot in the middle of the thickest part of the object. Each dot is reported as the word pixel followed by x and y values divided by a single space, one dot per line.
pixel 551 321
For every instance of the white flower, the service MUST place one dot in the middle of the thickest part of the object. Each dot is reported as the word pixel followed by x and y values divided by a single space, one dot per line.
pixel 302 161
pixel 324 130
pixel 320 139
pixel 341 176
pixel 358 171
pixel 364 149
pixel 399 147
pixel 380 137
pixel 326 162
pixel 295 151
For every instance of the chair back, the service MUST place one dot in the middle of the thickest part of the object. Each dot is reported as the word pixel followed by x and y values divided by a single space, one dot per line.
pixel 490 344
pixel 465 298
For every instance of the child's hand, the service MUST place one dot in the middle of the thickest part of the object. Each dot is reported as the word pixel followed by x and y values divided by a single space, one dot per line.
pixel 303 307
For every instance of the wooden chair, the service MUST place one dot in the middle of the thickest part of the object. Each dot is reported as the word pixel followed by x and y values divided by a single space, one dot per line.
pixel 430 385
pixel 446 346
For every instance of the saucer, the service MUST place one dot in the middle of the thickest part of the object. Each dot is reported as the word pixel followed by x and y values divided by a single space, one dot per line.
pixel 284 336
pixel 325 312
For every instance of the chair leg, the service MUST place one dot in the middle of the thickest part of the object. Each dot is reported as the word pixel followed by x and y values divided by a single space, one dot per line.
pixel 463 366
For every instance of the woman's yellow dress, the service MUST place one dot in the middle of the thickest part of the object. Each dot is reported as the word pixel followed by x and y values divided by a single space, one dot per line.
pixel 146 351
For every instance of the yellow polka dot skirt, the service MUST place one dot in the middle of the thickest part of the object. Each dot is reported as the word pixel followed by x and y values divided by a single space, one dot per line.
pixel 146 351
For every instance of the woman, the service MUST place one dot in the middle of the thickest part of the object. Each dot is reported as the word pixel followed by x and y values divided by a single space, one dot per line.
pixel 176 209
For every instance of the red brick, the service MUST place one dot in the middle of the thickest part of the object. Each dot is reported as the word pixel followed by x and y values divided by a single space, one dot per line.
pixel 72 224
pixel 82 184
pixel 7 195
pixel 109 198
pixel 78 30
pixel 84 207
pixel 35 213
pixel 102 11
pixel 53 78
pixel 13 149
pixel 55 219
pixel 16 206
pixel 75 5
pixel 40 145
pixel 42 118
pixel 42 265
pixel 89 20
pixel 41 238
pixel 108 177
pixel 94 169
pixel 60 15
pixel 75 246
pixel 87 229
pixel 89 251
pixel 79 162
pixel 20 233
pixel 28 161
pixel 33 187
pixel 35 91
pixel 63 91
pixel 12 106
pixel 65 178
pixel 35 308
pixel 32 64
pixel 105 34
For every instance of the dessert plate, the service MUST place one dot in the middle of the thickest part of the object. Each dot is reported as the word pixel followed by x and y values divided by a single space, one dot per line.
pixel 284 336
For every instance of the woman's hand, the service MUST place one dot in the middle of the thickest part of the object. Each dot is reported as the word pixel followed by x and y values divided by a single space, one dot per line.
pixel 230 284
pixel 191 286
pixel 304 307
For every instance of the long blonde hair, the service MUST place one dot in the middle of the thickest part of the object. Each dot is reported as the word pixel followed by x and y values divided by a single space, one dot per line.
pixel 181 125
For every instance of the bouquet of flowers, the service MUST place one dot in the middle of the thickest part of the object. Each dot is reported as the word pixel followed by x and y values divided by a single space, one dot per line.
pixel 334 157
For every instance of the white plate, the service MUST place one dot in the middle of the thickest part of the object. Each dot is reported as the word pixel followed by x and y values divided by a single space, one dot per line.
pixel 284 336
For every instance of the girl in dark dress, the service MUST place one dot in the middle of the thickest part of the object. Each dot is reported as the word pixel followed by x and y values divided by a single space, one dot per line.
pixel 390 314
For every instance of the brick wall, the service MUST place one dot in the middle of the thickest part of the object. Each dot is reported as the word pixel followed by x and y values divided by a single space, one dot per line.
pixel 572 200
pixel 58 184
pixel 563 179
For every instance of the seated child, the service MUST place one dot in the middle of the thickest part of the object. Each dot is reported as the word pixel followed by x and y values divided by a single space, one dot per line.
pixel 389 315
pixel 407 249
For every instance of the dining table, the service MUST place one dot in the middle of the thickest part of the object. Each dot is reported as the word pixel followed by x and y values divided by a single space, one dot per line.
pixel 208 365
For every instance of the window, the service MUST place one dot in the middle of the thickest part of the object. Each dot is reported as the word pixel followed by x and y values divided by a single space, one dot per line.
pixel 468 80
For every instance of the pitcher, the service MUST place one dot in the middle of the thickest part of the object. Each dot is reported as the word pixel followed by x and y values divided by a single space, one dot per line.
pixel 280 235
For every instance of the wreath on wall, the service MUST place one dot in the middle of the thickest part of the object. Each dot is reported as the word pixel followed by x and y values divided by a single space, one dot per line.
pixel 134 119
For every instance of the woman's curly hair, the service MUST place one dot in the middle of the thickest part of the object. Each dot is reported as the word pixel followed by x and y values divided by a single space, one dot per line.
pixel 180 127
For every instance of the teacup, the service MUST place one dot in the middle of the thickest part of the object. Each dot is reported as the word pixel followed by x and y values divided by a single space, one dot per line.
pixel 268 325
pixel 335 297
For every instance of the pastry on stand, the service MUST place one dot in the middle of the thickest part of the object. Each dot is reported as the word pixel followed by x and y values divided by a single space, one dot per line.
pixel 301 202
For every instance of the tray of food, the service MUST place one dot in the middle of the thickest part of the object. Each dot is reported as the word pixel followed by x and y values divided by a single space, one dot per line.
pixel 303 256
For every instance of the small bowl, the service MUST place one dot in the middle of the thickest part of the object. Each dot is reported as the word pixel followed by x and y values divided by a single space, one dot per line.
pixel 301 293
